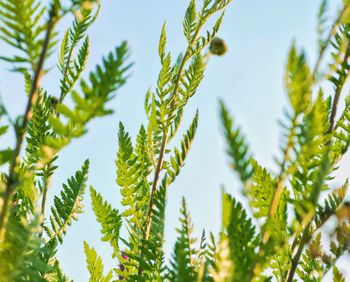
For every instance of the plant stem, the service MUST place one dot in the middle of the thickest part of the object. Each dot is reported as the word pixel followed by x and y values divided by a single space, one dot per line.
pixel 335 104
pixel 322 173
pixel 282 175
pixel 165 134
pixel 162 150
pixel 13 175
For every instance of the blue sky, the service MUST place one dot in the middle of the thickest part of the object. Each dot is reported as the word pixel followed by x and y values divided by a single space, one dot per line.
pixel 249 78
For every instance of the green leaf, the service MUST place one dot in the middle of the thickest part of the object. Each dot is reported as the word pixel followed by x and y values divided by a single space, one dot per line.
pixel 38 130
pixel 67 207
pixel 103 82
pixel 109 219
pixel 182 263
pixel 22 28
pixel 337 275
pixel 178 161
pixel 262 190
pixel 190 21
pixel 162 43
pixel 95 266
pixel 20 251
pixel 237 148
pixel 298 80
pixel 5 156
pixel 242 238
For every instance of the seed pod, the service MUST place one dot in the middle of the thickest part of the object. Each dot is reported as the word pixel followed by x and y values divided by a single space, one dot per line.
pixel 218 46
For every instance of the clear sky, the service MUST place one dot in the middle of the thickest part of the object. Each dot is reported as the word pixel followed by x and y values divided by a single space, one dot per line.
pixel 249 78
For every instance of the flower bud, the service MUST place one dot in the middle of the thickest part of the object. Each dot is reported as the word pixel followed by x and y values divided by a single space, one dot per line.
pixel 218 46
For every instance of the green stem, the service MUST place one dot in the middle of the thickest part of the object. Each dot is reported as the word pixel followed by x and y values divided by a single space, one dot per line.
pixel 281 176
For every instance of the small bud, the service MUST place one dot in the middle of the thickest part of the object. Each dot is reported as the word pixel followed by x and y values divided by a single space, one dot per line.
pixel 218 46
pixel 88 5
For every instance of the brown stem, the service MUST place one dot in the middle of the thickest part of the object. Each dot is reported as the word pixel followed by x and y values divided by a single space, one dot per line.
pixel 165 134
pixel 296 258
pixel 162 151
pixel 13 176
pixel 335 104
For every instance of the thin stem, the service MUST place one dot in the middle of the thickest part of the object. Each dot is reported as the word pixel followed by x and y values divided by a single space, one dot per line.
pixel 335 104
pixel 60 100
pixel 282 175
pixel 165 134
pixel 162 151
pixel 315 197
pixel 46 184
pixel 13 176
pixel 296 258
pixel 154 185
pixel 43 200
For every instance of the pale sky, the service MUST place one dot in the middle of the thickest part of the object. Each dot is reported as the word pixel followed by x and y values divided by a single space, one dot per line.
pixel 249 79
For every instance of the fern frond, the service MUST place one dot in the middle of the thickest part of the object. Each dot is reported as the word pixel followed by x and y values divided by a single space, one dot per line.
pixel 341 243
pixel 312 139
pixel 311 264
pixel 106 79
pixel 162 44
pixel 204 40
pixel 342 133
pixel 95 266
pixel 73 70
pixel 67 207
pixel 330 206
pixel 70 68
pixel 237 147
pixel 321 24
pixel 133 168
pixel 262 190
pixel 109 219
pixel 190 21
pixel 22 27
pixel 19 252
pixel 128 177
pixel 38 130
pixel 152 257
pixel 191 80
pixel 298 81
pixel 242 238
pixel 337 275
pixel 341 54
pixel 182 263
pixel 177 161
